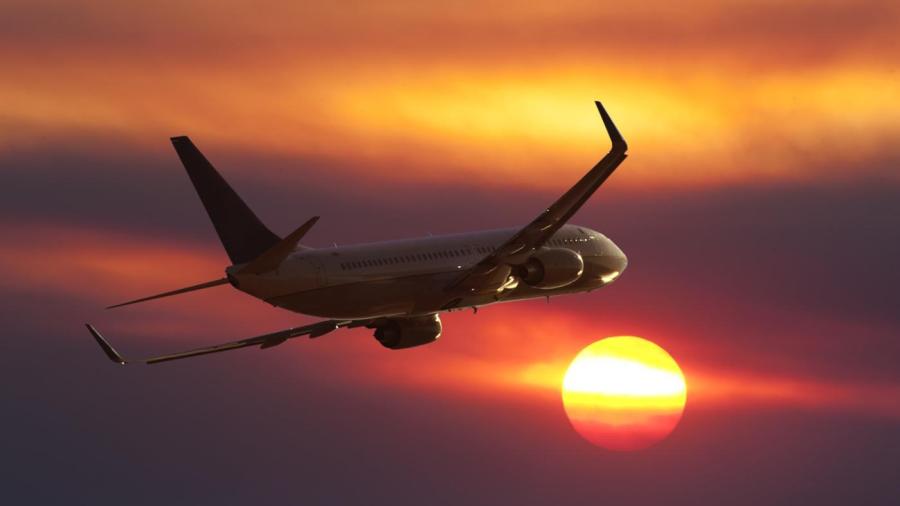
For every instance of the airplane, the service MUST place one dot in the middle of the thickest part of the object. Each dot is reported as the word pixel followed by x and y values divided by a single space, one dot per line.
pixel 396 288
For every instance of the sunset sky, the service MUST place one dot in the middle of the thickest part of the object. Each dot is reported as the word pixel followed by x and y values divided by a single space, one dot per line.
pixel 759 209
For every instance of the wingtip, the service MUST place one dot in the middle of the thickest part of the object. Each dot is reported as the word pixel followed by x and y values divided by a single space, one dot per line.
pixel 618 141
pixel 105 346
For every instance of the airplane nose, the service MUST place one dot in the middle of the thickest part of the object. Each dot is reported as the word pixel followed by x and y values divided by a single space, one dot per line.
pixel 612 263
pixel 623 262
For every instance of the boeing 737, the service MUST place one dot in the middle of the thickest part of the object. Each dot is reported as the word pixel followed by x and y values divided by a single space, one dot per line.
pixel 397 288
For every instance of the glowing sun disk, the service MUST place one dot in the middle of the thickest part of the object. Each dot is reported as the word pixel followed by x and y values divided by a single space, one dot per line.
pixel 624 393
pixel 617 376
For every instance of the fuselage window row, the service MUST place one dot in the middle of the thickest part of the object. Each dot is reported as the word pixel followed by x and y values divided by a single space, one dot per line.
pixel 421 257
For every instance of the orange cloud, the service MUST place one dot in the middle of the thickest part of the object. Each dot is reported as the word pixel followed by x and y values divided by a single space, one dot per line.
pixel 498 95
pixel 93 268
pixel 494 126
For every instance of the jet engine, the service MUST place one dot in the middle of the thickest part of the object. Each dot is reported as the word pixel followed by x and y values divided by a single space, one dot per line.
pixel 399 333
pixel 552 268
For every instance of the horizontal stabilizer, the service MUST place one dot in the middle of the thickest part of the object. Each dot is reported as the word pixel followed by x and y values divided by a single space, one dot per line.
pixel 201 286
pixel 272 257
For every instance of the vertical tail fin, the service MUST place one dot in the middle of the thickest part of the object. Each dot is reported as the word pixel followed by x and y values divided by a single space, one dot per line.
pixel 242 234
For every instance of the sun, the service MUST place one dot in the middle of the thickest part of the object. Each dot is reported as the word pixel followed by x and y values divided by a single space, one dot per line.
pixel 624 393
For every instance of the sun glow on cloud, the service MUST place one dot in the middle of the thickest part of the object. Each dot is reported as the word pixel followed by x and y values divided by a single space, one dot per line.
pixel 468 122
pixel 531 362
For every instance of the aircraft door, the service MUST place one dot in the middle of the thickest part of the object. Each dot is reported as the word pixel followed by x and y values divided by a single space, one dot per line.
pixel 319 269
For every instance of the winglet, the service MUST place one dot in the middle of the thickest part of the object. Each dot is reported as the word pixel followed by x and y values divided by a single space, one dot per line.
pixel 110 352
pixel 618 143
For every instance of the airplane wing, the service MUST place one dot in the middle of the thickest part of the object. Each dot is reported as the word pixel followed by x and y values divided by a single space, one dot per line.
pixel 263 341
pixel 492 272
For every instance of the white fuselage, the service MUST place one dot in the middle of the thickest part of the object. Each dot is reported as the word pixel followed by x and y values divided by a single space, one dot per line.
pixel 410 277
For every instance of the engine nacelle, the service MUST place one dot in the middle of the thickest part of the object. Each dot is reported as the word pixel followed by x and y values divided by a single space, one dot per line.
pixel 552 268
pixel 398 333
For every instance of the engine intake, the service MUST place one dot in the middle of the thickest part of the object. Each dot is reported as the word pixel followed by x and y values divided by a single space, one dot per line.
pixel 399 333
pixel 552 268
